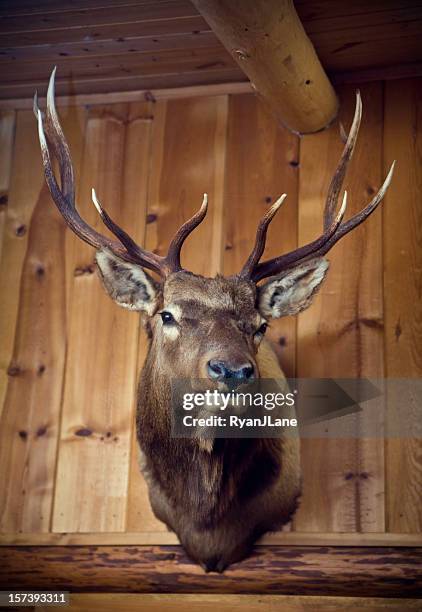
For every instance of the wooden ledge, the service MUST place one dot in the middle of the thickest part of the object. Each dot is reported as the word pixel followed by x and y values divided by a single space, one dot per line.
pixel 165 538
pixel 300 570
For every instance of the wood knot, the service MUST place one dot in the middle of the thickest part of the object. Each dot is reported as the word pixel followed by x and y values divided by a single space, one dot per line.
pixel 228 246
pixel 20 230
pixel 83 432
pixel 294 163
pixel 39 271
pixel 23 434
pixel 282 341
pixel 3 201
pixel 14 370
pixel 151 218
pixel 41 369
pixel 41 431
pixel 268 199
pixel 349 476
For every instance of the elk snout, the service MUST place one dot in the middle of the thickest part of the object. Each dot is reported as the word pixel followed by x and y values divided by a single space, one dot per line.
pixel 220 370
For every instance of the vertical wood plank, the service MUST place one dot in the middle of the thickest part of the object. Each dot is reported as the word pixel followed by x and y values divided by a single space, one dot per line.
pixel 402 277
pixel 97 421
pixel 25 186
pixel 187 159
pixel 29 424
pixel 7 133
pixel 262 163
pixel 341 335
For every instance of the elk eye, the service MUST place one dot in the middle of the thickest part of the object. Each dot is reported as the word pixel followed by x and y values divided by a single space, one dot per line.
pixel 167 318
pixel 261 330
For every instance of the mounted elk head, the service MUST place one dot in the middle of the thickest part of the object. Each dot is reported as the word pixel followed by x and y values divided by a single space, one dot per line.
pixel 208 328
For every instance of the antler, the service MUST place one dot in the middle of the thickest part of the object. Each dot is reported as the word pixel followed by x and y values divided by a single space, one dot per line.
pixel 64 197
pixel 334 229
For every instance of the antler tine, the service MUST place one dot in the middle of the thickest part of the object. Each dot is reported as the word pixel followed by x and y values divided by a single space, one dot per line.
pixel 334 229
pixel 275 265
pixel 137 253
pixel 261 236
pixel 66 208
pixel 357 219
pixel 64 196
pixel 61 148
pixel 173 254
pixel 338 178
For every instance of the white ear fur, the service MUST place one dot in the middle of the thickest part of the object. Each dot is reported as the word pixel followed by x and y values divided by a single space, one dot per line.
pixel 294 290
pixel 127 284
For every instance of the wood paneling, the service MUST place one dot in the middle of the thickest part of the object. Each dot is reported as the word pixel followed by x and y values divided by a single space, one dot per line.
pixel 7 133
pixel 341 336
pixel 188 160
pixel 99 391
pixel 403 303
pixel 151 163
pixel 87 36
pixel 25 185
pixel 35 281
pixel 262 163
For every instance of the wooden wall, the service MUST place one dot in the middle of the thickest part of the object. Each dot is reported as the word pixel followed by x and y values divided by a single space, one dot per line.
pixel 69 357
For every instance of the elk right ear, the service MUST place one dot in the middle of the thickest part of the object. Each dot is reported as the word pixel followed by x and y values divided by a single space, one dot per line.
pixel 127 284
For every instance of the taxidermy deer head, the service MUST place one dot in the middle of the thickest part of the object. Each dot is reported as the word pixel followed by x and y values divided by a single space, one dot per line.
pixel 207 328
pixel 225 317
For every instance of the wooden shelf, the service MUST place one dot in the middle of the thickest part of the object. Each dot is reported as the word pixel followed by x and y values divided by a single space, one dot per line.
pixel 290 570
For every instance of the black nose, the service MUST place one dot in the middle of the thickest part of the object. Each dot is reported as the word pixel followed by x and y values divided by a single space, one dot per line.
pixel 218 370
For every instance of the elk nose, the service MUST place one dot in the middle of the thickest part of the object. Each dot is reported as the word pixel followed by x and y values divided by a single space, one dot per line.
pixel 218 370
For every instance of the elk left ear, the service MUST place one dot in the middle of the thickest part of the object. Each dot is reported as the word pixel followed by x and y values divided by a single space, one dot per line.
pixel 293 291
pixel 127 284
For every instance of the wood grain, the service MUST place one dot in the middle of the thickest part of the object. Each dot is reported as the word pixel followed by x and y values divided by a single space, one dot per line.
pixel 341 335
pixel 25 185
pixel 209 73
pixel 363 572
pixel 188 160
pixel 98 400
pixel 403 305
pixel 234 603
pixel 119 64
pixel 32 405
pixel 164 538
pixel 7 134
pixel 355 37
pixel 262 163
pixel 270 45
pixel 31 412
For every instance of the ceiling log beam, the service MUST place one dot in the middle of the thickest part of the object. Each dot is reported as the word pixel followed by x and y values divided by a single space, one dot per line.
pixel 267 40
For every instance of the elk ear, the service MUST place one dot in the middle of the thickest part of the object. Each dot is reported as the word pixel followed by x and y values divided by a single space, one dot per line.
pixel 127 283
pixel 294 290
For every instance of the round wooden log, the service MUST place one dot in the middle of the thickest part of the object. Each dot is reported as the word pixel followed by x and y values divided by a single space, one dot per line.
pixel 267 40
pixel 290 570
